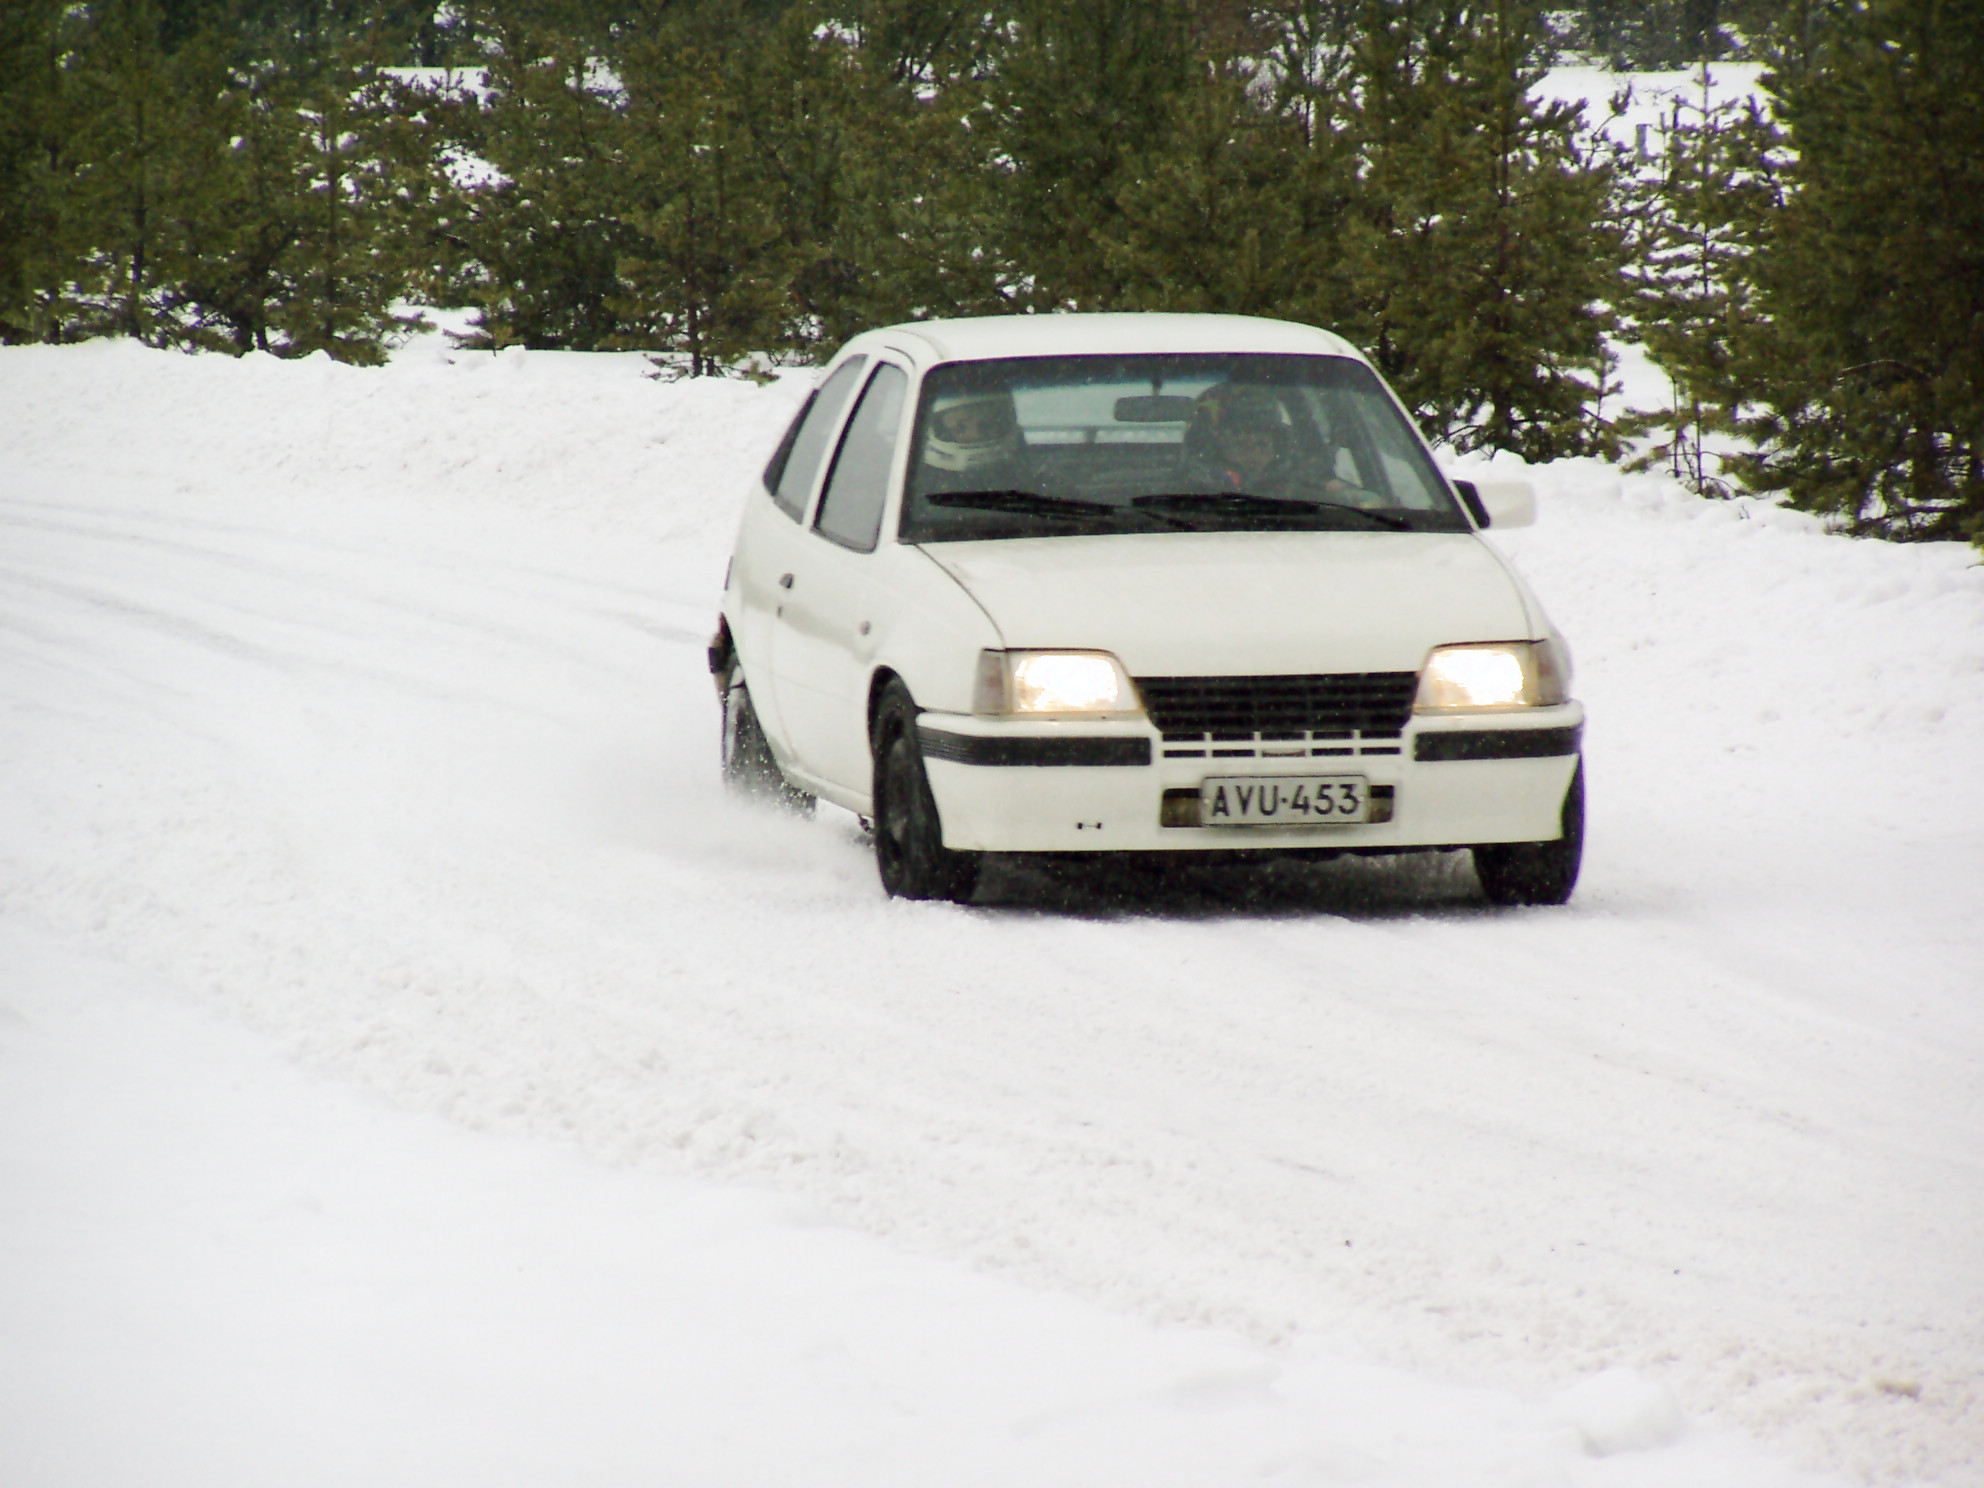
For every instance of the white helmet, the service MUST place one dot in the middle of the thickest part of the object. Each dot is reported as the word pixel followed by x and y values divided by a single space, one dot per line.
pixel 969 430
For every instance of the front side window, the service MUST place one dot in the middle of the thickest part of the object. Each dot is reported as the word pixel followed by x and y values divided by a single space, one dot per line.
pixel 1057 446
pixel 790 475
pixel 851 508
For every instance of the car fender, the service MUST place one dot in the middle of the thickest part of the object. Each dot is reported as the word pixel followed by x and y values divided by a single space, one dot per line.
pixel 930 631
pixel 1540 625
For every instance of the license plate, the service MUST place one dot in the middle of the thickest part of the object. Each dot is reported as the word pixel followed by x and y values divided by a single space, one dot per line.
pixel 1284 800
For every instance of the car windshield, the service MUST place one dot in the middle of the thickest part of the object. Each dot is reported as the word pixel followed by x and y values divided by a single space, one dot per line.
pixel 1065 446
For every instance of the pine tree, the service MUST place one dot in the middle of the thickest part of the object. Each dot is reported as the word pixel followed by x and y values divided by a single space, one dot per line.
pixel 922 221
pixel 138 114
pixel 36 169
pixel 1484 261
pixel 1083 88
pixel 792 178
pixel 1231 211
pixel 1650 35
pixel 851 161
pixel 1870 278
pixel 795 96
pixel 704 276
pixel 306 227
pixel 1307 50
pixel 239 225
pixel 1694 217
pixel 347 268
pixel 539 244
pixel 923 45
pixel 1657 35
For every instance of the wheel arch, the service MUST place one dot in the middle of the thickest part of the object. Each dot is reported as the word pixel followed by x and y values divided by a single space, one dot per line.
pixel 877 685
pixel 724 665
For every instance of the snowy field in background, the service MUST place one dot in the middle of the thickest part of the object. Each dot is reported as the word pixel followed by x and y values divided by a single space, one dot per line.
pixel 413 1070
pixel 1650 97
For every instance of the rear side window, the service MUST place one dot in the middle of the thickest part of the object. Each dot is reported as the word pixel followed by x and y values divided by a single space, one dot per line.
pixel 789 477
pixel 851 510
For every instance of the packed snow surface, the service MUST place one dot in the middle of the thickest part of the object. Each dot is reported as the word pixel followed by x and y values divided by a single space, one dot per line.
pixel 414 1070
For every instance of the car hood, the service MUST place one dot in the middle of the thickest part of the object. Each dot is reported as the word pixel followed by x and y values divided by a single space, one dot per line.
pixel 1244 603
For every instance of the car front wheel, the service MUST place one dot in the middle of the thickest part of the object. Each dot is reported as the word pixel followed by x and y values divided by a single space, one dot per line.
pixel 1537 872
pixel 909 835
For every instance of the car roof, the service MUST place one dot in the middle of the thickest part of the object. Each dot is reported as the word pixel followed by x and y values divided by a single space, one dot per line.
pixel 981 338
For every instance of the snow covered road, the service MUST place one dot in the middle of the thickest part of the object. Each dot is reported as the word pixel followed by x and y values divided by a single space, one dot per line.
pixel 367 710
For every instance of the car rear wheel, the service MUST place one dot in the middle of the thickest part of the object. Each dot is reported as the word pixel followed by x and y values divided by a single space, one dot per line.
pixel 1537 872
pixel 909 835
pixel 748 766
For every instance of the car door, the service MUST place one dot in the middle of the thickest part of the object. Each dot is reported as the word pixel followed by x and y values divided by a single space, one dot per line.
pixel 824 638
pixel 773 537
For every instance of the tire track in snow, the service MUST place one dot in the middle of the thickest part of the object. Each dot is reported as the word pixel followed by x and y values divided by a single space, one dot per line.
pixel 285 626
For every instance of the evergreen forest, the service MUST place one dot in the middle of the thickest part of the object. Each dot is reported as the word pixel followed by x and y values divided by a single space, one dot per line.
pixel 731 183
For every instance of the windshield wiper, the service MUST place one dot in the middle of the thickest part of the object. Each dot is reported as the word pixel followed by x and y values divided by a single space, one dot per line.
pixel 1029 503
pixel 1244 504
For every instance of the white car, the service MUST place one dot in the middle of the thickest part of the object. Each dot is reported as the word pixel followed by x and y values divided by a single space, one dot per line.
pixel 1140 583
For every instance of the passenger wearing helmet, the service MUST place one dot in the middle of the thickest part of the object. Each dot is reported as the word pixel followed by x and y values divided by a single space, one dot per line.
pixel 971 442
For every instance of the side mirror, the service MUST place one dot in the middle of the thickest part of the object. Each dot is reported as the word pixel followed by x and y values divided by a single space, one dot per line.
pixel 1505 502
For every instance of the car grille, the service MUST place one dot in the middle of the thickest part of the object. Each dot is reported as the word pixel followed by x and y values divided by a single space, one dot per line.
pixel 1266 717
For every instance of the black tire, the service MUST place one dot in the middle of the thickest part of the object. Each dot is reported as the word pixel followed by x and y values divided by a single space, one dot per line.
pixel 909 835
pixel 749 769
pixel 1537 872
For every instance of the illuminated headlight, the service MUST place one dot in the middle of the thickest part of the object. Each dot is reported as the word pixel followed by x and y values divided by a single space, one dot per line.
pixel 1505 674
pixel 1050 682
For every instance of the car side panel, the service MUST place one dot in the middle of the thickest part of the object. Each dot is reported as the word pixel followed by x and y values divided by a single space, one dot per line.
pixel 769 544
pixel 923 628
pixel 820 648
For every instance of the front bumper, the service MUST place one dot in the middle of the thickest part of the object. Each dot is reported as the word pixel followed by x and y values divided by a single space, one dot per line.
pixel 1007 786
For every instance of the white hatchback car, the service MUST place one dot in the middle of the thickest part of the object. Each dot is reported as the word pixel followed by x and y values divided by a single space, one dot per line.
pixel 1140 583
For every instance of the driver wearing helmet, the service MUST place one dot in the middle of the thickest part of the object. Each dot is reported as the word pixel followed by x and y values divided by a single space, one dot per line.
pixel 1240 438
pixel 972 441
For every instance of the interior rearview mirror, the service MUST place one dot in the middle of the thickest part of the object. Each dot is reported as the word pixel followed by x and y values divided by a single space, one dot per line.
pixel 1155 408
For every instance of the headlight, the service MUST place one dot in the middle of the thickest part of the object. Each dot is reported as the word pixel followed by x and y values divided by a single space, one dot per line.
pixel 1051 682
pixel 1504 674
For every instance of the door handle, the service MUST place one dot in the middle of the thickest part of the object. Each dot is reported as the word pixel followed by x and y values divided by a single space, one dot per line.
pixel 785 581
